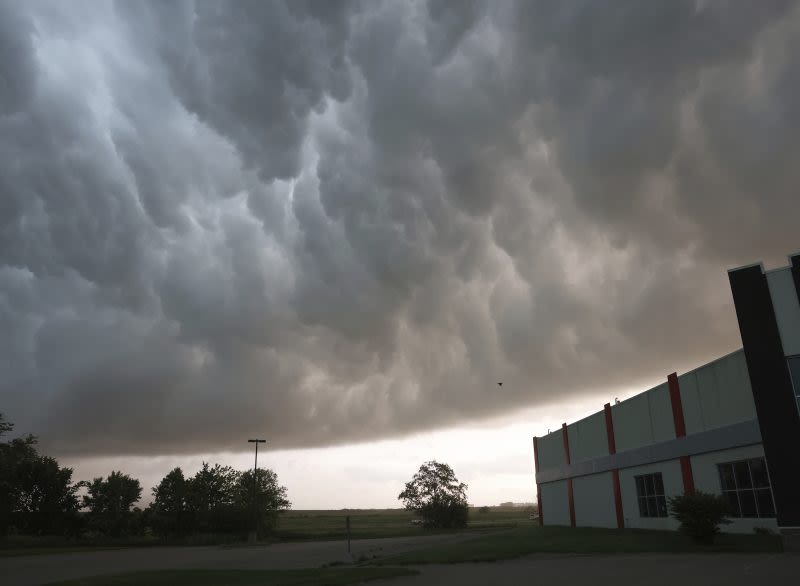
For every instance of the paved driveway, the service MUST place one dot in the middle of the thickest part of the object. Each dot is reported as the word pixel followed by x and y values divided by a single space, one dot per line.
pixel 618 570
pixel 40 569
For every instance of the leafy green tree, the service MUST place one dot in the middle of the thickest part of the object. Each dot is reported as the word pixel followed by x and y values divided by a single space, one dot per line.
pixel 700 514
pixel 210 500
pixel 37 496
pixel 109 502
pixel 437 496
pixel 270 499
pixel 168 512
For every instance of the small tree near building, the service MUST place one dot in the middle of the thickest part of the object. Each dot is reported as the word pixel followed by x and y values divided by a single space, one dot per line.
pixel 700 514
pixel 437 496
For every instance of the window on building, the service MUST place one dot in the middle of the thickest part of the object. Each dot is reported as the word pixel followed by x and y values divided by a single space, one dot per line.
pixel 745 485
pixel 794 371
pixel 650 492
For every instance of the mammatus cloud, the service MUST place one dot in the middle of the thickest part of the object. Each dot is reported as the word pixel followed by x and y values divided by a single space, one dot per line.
pixel 336 221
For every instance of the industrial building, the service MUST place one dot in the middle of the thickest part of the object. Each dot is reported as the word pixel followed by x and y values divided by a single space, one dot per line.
pixel 730 427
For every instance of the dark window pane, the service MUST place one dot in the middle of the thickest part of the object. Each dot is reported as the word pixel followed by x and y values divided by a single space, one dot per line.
pixel 733 503
pixel 748 502
pixel 765 506
pixel 662 506
pixel 642 506
pixel 742 473
pixel 652 507
pixel 726 476
pixel 758 470
pixel 659 483
pixel 648 483
pixel 639 486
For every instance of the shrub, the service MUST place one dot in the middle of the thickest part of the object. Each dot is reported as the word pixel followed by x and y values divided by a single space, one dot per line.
pixel 700 514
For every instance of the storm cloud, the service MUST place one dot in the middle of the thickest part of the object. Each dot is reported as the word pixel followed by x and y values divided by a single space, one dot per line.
pixel 329 222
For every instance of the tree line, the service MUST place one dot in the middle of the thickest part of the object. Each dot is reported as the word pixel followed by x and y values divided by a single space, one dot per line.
pixel 39 497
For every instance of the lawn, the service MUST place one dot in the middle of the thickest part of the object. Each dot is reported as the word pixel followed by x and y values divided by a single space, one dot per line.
pixel 366 523
pixel 527 540
pixel 328 576
pixel 292 526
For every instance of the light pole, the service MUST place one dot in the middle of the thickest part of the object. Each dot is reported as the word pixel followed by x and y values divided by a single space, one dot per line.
pixel 255 485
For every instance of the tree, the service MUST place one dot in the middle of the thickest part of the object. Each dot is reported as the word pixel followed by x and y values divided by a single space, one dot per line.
pixel 700 514
pixel 209 499
pixel 37 495
pixel 169 507
pixel 271 498
pixel 109 502
pixel 437 496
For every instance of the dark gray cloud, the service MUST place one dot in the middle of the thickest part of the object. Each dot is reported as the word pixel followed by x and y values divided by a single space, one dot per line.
pixel 335 221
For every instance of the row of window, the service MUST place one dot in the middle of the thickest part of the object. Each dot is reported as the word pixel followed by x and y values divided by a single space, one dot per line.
pixel 744 484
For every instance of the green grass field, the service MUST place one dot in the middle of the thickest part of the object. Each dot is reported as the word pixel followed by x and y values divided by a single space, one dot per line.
pixel 329 577
pixel 365 524
pixel 292 526
pixel 525 540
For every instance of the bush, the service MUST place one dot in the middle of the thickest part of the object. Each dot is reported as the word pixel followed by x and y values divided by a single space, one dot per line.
pixel 700 514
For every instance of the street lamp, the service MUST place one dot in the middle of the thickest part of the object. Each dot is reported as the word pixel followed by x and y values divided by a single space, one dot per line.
pixel 255 472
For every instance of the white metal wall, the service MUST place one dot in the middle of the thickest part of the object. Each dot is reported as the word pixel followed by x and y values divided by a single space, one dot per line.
pixel 588 438
pixel 594 501
pixel 644 419
pixel 717 394
pixel 555 504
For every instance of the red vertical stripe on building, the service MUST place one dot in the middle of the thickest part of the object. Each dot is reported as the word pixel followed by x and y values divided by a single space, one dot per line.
pixel 680 430
pixel 618 499
pixel 570 497
pixel 538 488
pixel 612 449
pixel 677 406
pixel 612 443
pixel 571 503
pixel 686 472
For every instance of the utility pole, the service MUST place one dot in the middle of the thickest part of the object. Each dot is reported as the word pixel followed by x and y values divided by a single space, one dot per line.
pixel 255 488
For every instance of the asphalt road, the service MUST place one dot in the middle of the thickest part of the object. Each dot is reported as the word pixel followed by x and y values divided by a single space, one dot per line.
pixel 40 569
pixel 553 570
pixel 618 570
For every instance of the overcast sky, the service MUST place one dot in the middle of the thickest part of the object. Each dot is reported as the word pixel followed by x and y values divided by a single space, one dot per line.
pixel 331 223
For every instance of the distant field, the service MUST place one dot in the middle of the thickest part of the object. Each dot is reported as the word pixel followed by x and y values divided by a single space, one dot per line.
pixel 371 523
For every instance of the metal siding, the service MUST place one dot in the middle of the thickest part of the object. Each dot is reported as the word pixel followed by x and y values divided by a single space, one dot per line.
pixel 588 438
pixel 594 501
pixel 555 506
pixel 632 426
pixel 551 450
pixel 690 399
pixel 723 391
pixel 660 407
pixel 787 309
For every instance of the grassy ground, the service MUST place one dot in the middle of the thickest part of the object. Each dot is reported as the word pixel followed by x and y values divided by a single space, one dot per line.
pixel 332 577
pixel 292 526
pixel 528 540
pixel 367 524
